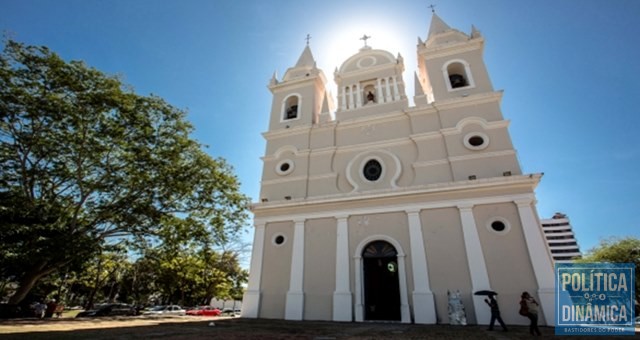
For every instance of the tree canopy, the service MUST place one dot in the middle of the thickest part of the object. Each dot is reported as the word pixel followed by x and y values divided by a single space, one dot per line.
pixel 617 250
pixel 84 160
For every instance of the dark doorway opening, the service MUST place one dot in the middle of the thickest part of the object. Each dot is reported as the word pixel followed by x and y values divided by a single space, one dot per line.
pixel 381 283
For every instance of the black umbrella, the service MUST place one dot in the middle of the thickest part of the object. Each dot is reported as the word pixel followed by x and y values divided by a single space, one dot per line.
pixel 485 292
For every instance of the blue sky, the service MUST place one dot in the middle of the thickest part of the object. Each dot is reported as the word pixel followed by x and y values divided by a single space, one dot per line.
pixel 567 69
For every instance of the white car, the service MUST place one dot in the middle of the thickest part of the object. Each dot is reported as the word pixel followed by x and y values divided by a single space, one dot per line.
pixel 166 310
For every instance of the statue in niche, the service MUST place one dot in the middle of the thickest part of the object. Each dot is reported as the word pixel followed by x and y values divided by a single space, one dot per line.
pixel 457 315
pixel 371 98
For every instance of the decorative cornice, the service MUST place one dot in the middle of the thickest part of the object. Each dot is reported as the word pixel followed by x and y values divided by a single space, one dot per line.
pixel 374 145
pixel 430 163
pixel 371 119
pixel 433 52
pixel 282 133
pixel 482 155
pixel 471 100
pixel 530 180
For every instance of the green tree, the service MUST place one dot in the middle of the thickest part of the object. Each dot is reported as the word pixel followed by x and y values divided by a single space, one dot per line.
pixel 84 159
pixel 617 250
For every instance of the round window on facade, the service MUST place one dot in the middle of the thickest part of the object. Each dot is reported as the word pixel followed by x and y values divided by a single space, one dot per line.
pixel 476 141
pixel 279 239
pixel 284 167
pixel 498 225
pixel 372 170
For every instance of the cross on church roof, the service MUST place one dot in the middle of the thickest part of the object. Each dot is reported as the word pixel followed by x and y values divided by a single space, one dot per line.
pixel 308 38
pixel 432 6
pixel 365 37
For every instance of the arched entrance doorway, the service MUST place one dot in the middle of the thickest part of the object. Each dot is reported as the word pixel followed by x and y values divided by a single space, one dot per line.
pixel 381 282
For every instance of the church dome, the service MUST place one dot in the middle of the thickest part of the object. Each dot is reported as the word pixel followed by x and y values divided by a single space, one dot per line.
pixel 367 58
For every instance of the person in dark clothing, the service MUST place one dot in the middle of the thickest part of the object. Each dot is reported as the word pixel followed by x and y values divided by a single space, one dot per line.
pixel 495 313
pixel 530 308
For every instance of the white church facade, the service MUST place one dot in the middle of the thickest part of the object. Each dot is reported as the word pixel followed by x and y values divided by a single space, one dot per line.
pixel 371 209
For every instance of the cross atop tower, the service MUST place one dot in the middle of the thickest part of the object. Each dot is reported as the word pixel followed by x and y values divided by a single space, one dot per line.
pixel 365 37
pixel 432 6
pixel 308 38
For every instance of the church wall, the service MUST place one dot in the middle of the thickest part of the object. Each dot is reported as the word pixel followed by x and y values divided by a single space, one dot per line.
pixel 394 225
pixel 488 111
pixel 481 168
pixel 356 134
pixel 319 268
pixel 425 122
pixel 431 149
pixel 446 259
pixel 498 140
pixel 433 173
pixel 323 137
pixel 275 280
pixel 320 163
pixel 299 140
pixel 508 263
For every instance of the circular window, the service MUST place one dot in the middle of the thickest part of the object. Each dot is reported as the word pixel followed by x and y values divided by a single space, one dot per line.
pixel 284 167
pixel 279 239
pixel 372 170
pixel 476 141
pixel 498 225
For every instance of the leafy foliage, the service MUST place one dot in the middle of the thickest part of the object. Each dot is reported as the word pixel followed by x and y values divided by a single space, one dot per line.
pixel 615 250
pixel 84 160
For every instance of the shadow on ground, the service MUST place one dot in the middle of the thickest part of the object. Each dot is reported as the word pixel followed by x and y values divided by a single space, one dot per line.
pixel 254 329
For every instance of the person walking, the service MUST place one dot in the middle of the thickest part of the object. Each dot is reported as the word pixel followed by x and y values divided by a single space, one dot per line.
pixel 529 308
pixel 495 313
pixel 39 309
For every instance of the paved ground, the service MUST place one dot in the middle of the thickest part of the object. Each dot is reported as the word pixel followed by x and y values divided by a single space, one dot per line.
pixel 236 328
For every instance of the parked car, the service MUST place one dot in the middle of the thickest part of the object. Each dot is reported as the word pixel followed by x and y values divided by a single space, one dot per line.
pixel 231 312
pixel 166 310
pixel 204 311
pixel 109 309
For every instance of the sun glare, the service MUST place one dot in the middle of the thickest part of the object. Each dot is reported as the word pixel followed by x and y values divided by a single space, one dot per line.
pixel 334 46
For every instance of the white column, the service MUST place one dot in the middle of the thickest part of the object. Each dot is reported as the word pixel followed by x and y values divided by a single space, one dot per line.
pixel 351 104
pixel 477 265
pixel 358 95
pixel 343 104
pixel 342 295
pixel 405 313
pixel 388 96
pixel 424 309
pixel 295 295
pixel 380 95
pixel 251 299
pixel 396 93
pixel 540 258
pixel 359 308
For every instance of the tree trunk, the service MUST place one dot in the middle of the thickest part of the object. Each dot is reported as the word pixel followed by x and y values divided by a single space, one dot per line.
pixel 29 280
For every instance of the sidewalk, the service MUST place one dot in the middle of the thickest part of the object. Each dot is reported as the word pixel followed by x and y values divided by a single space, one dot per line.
pixel 238 328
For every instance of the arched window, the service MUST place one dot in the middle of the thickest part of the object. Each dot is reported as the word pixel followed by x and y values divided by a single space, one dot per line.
pixel 457 74
pixel 291 107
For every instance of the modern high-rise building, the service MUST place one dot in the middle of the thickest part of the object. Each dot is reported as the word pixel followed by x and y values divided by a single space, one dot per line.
pixel 560 238
pixel 372 209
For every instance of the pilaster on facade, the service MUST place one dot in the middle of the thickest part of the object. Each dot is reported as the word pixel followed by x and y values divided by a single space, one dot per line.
pixel 540 258
pixel 424 309
pixel 251 299
pixel 342 295
pixel 476 262
pixel 295 295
